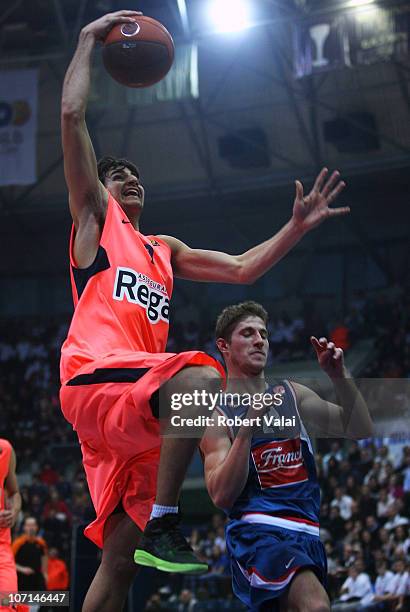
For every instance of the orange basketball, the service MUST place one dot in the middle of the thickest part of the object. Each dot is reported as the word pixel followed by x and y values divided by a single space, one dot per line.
pixel 138 54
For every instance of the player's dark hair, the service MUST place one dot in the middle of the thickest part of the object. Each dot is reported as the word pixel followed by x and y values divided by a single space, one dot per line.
pixel 232 315
pixel 106 164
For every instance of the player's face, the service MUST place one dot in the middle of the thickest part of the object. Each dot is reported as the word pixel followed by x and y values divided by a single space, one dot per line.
pixel 125 187
pixel 248 348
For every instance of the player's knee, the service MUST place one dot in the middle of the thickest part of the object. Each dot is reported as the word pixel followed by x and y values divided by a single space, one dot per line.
pixel 121 567
pixel 314 606
pixel 309 604
pixel 197 377
pixel 205 373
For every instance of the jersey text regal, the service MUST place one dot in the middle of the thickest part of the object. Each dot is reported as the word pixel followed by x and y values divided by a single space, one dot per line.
pixel 139 289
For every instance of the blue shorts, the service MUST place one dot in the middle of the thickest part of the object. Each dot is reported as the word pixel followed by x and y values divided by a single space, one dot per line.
pixel 265 559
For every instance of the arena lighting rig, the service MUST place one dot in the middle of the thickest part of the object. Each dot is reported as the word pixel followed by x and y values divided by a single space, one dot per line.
pixel 230 15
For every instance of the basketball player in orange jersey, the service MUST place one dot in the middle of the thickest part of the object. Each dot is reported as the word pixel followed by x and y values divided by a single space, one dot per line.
pixel 113 359
pixel 10 504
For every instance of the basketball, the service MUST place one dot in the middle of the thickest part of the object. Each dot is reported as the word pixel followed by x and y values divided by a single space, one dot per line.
pixel 140 54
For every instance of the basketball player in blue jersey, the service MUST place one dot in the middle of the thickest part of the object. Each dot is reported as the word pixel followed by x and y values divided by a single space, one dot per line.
pixel 266 480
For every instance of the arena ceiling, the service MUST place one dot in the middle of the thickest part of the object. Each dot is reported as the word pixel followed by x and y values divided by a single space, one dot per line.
pixel 246 83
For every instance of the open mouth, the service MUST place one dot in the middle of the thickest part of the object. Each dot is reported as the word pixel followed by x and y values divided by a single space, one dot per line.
pixel 132 191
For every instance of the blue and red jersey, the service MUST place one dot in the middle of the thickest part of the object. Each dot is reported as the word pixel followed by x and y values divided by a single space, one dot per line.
pixel 282 487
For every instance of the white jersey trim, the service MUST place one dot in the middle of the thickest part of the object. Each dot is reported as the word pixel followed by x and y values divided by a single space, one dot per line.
pixel 259 582
pixel 278 521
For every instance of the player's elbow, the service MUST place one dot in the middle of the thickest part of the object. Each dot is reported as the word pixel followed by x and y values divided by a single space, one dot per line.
pixel 221 501
pixel 362 433
pixel 71 113
pixel 243 273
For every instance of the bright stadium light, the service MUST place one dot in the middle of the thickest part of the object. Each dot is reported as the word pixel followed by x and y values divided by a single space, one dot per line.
pixel 359 3
pixel 230 15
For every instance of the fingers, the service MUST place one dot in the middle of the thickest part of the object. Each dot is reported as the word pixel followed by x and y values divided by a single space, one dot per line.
pixel 123 16
pixel 125 13
pixel 333 194
pixel 323 345
pixel 299 190
pixel 320 346
pixel 330 183
pixel 334 351
pixel 315 343
pixel 122 19
pixel 320 179
pixel 338 212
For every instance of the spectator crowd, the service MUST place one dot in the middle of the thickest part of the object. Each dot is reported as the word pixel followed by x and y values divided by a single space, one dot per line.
pixel 365 487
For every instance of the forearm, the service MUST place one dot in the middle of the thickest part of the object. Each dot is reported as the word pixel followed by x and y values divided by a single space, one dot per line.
pixel 76 85
pixel 259 259
pixel 357 422
pixel 15 503
pixel 228 480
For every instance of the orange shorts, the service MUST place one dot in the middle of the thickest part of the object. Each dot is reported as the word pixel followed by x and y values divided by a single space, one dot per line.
pixel 8 573
pixel 108 404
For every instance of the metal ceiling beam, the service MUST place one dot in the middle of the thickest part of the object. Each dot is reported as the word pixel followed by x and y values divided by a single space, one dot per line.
pixel 275 154
pixel 291 19
pixel 204 153
pixel 201 149
pixel 279 61
pixel 183 14
pixel 314 122
pixel 232 185
pixel 356 228
pixel 403 84
pixel 300 17
pixel 322 104
pixel 222 81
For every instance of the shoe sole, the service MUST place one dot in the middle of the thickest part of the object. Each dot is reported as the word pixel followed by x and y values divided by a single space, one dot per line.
pixel 143 558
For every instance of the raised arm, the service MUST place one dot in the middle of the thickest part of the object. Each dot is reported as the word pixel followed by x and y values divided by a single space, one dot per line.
pixel 308 212
pixel 348 419
pixel 88 197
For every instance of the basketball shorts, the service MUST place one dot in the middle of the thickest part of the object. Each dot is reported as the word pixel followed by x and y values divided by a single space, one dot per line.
pixel 8 574
pixel 108 405
pixel 265 559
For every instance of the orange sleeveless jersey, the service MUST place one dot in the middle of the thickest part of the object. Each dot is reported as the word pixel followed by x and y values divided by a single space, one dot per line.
pixel 122 300
pixel 5 454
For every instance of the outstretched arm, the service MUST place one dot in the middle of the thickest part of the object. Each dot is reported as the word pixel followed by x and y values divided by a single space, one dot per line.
pixel 348 419
pixel 308 212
